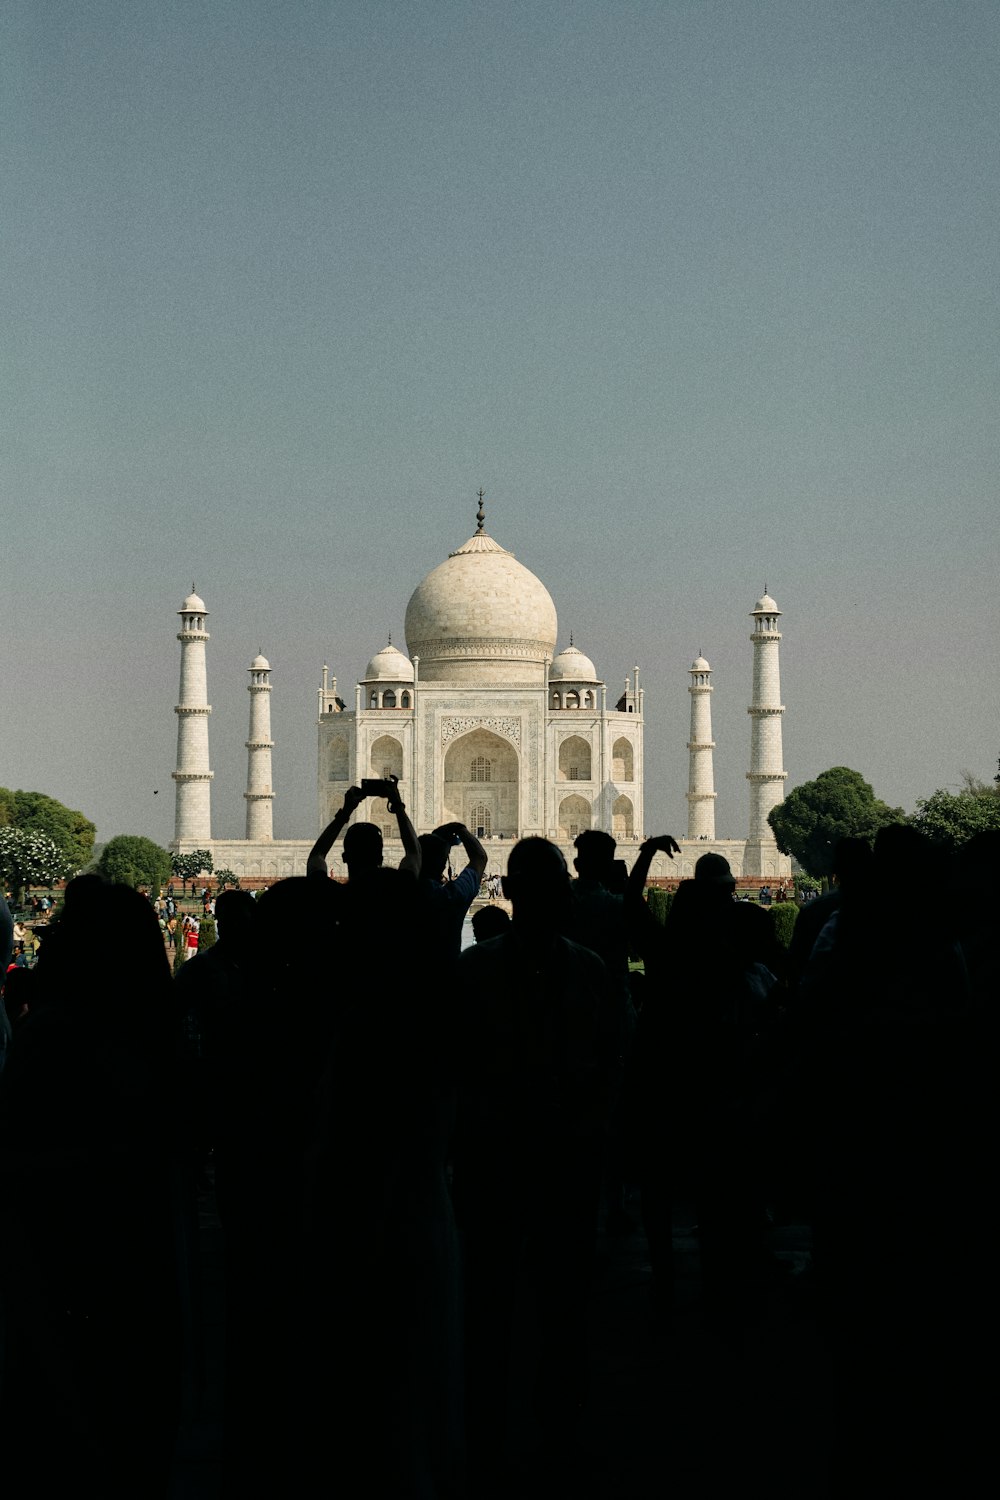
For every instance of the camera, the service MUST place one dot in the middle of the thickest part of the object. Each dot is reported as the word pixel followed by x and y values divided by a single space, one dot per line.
pixel 373 788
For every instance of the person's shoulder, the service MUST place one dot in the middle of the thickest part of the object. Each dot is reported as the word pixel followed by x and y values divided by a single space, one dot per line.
pixel 485 955
pixel 582 956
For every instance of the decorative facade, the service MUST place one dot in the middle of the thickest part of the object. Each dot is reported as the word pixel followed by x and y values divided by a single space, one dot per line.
pixel 483 722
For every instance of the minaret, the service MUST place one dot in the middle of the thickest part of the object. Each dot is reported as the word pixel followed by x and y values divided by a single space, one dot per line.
pixel 193 817
pixel 701 776
pixel 258 794
pixel 765 774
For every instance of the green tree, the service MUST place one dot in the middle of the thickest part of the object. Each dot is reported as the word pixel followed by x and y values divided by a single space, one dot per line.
pixel 952 818
pixel 130 859
pixel 226 877
pixel 838 804
pixel 189 866
pixel 36 812
pixel 28 858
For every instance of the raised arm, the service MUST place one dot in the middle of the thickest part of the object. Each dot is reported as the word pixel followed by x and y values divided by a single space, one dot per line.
pixel 316 863
pixel 474 851
pixel 648 850
pixel 411 859
pixel 637 913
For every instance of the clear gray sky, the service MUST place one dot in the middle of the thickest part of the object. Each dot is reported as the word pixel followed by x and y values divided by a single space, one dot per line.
pixel 703 294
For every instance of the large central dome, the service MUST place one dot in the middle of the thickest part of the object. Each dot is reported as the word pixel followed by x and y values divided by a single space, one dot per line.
pixel 480 616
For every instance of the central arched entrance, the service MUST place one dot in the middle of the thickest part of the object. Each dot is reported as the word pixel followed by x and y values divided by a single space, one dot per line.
pixel 481 785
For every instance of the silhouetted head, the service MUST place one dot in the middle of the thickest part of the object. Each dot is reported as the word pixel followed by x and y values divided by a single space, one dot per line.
pixel 362 849
pixel 235 913
pixel 489 922
pixel 537 882
pixel 852 862
pixel 595 853
pixel 433 856
pixel 125 991
pixel 303 911
pixel 714 870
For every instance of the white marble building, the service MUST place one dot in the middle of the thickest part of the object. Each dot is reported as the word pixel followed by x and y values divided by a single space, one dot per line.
pixel 484 722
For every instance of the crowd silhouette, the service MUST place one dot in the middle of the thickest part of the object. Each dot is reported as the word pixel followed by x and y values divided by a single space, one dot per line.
pixel 411 1149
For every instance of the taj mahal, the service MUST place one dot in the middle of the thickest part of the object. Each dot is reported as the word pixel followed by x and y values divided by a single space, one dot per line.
pixel 484 722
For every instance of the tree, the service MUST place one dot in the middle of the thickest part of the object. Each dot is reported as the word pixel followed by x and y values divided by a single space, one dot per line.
pixel 28 858
pixel 839 804
pixel 133 860
pixel 189 866
pixel 36 812
pixel 952 818
pixel 226 877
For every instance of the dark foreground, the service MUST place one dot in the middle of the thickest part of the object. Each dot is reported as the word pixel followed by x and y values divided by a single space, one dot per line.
pixel 671 1403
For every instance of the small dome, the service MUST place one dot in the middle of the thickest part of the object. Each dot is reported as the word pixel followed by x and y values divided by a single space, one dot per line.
pixel 260 664
pixel 700 665
pixel 765 606
pixel 193 605
pixel 572 666
pixel 389 665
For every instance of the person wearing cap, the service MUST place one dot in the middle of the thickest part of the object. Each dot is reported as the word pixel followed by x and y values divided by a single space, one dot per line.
pixel 715 869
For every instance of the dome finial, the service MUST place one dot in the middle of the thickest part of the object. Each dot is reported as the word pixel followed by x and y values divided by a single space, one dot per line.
pixel 480 514
pixel 390 637
pixel 571 637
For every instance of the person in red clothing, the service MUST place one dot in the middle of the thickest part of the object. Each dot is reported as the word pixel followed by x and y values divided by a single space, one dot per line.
pixel 192 938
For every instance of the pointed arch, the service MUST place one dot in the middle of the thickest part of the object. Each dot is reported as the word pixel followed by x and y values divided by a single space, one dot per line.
pixel 622 818
pixel 386 757
pixel 622 760
pixel 575 817
pixel 574 759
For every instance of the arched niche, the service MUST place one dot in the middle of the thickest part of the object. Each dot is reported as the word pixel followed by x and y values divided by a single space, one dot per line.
pixel 574 816
pixel 337 759
pixel 574 759
pixel 482 820
pixel 386 757
pixel 481 771
pixel 622 816
pixel 622 761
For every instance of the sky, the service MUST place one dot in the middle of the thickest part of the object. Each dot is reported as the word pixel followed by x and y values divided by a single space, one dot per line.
pixel 703 295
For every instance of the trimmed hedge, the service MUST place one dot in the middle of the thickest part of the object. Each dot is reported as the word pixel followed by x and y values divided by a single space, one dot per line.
pixel 206 933
pixel 659 902
pixel 784 914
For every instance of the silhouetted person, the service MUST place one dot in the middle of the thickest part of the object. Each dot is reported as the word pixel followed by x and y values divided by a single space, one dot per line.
pixel 538 1046
pixel 383 1355
pixel 885 1086
pixel 87 1134
pixel 851 872
pixel 269 1050
pixel 690 1080
pixel 363 841
pixel 489 922
pixel 598 921
pixel 448 901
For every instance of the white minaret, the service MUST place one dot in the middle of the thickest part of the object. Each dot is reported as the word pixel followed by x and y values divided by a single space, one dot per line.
pixel 193 817
pixel 701 777
pixel 258 794
pixel 765 775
